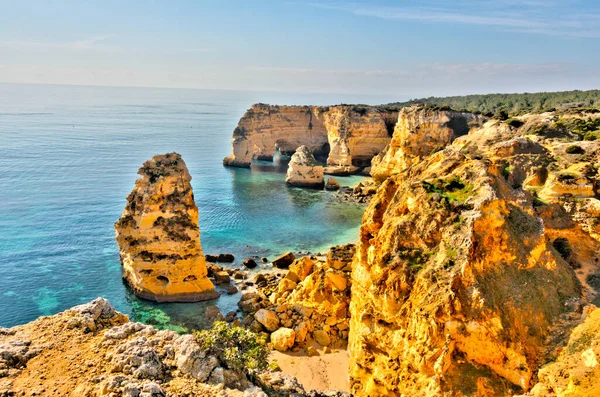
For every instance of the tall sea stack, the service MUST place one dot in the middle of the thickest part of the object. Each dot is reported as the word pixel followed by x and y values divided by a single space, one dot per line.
pixel 159 237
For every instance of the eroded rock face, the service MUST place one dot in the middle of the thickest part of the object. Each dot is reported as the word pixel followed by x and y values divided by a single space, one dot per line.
pixel 576 370
pixel 472 262
pixel 455 280
pixel 355 134
pixel 159 238
pixel 420 131
pixel 304 170
pixel 348 136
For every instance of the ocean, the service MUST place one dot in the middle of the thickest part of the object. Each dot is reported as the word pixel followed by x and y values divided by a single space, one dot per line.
pixel 69 156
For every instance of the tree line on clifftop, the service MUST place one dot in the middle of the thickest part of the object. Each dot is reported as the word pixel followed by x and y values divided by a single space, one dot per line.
pixel 512 104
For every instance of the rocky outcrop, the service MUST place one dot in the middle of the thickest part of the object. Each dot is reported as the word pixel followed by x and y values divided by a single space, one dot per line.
pixel 93 350
pixel 469 273
pixel 348 136
pixel 304 170
pixel 159 238
pixel 419 132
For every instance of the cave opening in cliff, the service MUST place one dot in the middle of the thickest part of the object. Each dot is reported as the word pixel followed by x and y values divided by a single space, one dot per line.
pixel 322 153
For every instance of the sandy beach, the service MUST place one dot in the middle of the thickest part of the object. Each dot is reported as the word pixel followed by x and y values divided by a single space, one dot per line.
pixel 323 372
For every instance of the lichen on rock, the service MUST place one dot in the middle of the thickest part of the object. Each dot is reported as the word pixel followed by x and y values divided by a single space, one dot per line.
pixel 159 238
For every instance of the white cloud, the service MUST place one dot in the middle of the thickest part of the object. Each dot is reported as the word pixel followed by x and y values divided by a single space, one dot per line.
pixel 524 16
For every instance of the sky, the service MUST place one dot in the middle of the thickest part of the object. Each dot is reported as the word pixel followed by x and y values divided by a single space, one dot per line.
pixel 397 48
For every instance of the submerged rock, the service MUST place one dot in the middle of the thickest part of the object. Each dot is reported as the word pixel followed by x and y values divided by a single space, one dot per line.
pixel 159 238
pixel 304 170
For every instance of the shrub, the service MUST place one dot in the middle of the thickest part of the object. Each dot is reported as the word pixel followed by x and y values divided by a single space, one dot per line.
pixel 574 149
pixel 237 348
pixel 591 136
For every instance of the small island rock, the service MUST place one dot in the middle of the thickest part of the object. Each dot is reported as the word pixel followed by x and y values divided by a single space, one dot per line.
pixel 304 170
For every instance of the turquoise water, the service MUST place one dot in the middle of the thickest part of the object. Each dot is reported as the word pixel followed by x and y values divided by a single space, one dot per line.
pixel 68 159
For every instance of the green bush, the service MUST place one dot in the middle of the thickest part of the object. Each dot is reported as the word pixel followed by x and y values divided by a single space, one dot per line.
pixel 591 136
pixel 237 348
pixel 574 149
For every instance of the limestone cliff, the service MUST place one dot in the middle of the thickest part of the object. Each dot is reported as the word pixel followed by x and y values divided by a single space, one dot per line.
pixel 159 238
pixel 348 136
pixel 304 170
pixel 469 273
pixel 419 132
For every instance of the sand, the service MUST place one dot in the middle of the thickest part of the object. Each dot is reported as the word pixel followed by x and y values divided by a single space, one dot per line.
pixel 323 372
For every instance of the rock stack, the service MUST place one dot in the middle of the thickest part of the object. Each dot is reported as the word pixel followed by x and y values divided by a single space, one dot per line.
pixel 159 237
pixel 304 170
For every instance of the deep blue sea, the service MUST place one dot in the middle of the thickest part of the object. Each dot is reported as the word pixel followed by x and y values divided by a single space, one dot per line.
pixel 69 156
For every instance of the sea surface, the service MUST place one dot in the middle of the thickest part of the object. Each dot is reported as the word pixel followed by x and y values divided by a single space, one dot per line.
pixel 69 156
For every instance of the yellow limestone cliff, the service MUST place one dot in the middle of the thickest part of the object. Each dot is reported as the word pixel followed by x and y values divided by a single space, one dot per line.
pixel 419 132
pixel 159 238
pixel 348 136
pixel 469 275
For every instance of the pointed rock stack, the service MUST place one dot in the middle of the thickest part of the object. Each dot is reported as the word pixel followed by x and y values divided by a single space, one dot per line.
pixel 159 237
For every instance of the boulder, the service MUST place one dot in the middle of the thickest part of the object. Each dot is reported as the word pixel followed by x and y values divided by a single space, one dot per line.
pixel 213 314
pixel 283 339
pixel 286 285
pixel 284 261
pixel 321 337
pixel 249 263
pixel 302 267
pixel 268 319
pixel 222 277
pixel 232 289
pixel 332 184
pixel 227 258
pixel 336 279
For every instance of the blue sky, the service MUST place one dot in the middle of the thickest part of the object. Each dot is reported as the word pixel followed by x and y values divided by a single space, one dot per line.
pixel 404 48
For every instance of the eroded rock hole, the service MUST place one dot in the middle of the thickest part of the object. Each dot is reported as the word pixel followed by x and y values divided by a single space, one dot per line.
pixel 562 246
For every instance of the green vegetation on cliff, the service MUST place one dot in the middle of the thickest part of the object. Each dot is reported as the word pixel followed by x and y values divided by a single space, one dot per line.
pixel 514 104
